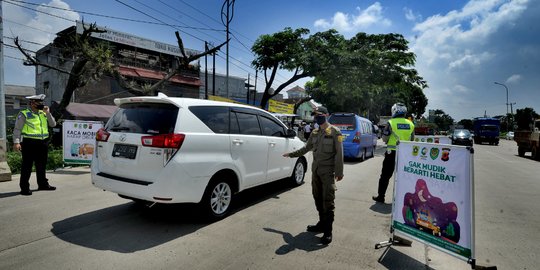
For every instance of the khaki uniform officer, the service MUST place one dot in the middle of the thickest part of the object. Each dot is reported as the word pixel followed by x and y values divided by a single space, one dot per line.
pixel 327 167
pixel 30 136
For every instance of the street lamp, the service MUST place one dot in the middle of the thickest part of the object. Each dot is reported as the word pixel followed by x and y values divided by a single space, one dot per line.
pixel 507 123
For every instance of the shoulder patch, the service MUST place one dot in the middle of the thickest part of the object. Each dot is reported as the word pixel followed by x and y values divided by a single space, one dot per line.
pixel 341 138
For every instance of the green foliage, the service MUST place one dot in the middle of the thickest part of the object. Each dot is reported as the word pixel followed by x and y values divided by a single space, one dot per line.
pixel 54 161
pixel 443 120
pixel 466 123
pixel 525 118
pixel 366 74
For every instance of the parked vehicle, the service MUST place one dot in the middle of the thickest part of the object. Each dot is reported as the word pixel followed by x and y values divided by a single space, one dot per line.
pixel 360 136
pixel 486 130
pixel 462 137
pixel 529 141
pixel 181 150
pixel 510 135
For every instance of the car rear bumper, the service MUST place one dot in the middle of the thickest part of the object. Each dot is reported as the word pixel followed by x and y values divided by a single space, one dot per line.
pixel 164 188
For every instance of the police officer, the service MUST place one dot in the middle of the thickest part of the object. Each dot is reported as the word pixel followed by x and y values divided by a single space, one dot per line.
pixel 327 167
pixel 30 136
pixel 398 128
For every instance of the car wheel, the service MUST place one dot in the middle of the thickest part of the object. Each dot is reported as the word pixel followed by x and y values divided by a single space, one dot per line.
pixel 217 199
pixel 363 156
pixel 297 177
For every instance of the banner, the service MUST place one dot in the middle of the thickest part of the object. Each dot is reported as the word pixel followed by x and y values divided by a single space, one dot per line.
pixel 79 139
pixel 280 107
pixel 433 196
pixel 432 139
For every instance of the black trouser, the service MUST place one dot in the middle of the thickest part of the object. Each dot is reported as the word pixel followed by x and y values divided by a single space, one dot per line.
pixel 387 171
pixel 323 188
pixel 33 151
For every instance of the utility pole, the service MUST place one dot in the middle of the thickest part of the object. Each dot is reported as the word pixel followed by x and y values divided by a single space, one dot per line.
pixel 247 94
pixel 206 71
pixel 507 123
pixel 5 172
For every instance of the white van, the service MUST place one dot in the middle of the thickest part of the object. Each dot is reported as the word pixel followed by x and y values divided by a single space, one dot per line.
pixel 181 150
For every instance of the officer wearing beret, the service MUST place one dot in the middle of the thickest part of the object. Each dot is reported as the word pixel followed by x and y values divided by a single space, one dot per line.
pixel 326 142
pixel 30 136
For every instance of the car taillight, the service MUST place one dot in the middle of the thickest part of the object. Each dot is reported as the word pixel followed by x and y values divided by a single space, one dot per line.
pixel 356 138
pixel 173 140
pixel 102 135
pixel 170 142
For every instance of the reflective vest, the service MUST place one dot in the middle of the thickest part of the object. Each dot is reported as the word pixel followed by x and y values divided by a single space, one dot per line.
pixel 35 126
pixel 402 129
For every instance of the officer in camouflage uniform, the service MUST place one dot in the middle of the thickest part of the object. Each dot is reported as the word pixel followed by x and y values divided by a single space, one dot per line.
pixel 327 167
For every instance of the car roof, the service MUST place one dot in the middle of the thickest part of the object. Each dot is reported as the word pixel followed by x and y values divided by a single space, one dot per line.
pixel 180 101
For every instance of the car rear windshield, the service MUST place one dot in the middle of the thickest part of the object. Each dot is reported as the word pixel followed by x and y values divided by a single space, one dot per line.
pixel 144 118
pixel 343 122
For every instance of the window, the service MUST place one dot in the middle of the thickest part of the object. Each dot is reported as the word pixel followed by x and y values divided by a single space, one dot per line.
pixel 271 127
pixel 248 124
pixel 216 118
pixel 145 118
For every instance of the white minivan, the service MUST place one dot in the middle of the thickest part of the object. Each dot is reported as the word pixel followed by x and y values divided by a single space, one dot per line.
pixel 182 150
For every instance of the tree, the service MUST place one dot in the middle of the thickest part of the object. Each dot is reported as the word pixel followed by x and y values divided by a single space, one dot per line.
pixel 281 50
pixel 368 74
pixel 442 120
pixel 525 118
pixel 93 58
pixel 466 123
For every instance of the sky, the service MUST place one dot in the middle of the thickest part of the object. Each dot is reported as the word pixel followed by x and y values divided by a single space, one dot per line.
pixel 462 47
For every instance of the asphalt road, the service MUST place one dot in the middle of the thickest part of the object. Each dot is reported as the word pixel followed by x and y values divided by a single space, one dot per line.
pixel 81 227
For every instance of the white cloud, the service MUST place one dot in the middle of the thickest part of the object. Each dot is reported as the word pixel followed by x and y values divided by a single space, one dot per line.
pixel 456 53
pixel 344 22
pixel 516 78
pixel 32 27
pixel 410 16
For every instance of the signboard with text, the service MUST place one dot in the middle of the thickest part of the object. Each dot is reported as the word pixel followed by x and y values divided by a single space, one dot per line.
pixel 433 200
pixel 432 139
pixel 79 139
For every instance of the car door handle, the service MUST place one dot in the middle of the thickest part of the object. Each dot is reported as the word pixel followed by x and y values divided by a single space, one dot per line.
pixel 237 142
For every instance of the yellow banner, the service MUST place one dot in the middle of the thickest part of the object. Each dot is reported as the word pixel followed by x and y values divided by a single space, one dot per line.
pixel 218 98
pixel 280 107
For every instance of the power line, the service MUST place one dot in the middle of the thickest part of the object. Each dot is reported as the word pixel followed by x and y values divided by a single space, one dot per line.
pixel 9 2
pixel 24 25
pixel 115 17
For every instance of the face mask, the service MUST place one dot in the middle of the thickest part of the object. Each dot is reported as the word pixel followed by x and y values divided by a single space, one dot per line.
pixel 40 106
pixel 320 119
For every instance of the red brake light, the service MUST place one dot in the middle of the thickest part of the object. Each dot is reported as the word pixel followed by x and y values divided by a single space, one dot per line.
pixel 102 135
pixel 173 140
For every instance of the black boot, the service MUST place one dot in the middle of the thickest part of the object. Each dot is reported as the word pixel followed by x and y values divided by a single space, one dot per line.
pixel 378 198
pixel 327 236
pixel 318 228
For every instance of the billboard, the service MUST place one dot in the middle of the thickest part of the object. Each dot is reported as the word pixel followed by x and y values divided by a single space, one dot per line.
pixel 79 140
pixel 433 196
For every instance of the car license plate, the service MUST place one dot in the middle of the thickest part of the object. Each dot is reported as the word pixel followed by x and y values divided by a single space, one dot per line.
pixel 124 151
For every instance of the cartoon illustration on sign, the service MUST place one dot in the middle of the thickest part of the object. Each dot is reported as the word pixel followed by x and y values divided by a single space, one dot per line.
pixel 429 214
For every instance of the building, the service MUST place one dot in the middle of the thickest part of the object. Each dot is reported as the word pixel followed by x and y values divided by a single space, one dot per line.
pixel 138 59
pixel 15 98
pixel 296 92
pixel 237 86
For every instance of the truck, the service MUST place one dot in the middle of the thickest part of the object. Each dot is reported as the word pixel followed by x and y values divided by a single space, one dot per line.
pixel 528 140
pixel 486 129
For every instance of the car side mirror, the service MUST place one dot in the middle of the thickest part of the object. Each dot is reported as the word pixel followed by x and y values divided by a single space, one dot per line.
pixel 290 133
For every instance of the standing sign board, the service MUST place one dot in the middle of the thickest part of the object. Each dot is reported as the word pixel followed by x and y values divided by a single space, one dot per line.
pixel 433 197
pixel 432 139
pixel 79 139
